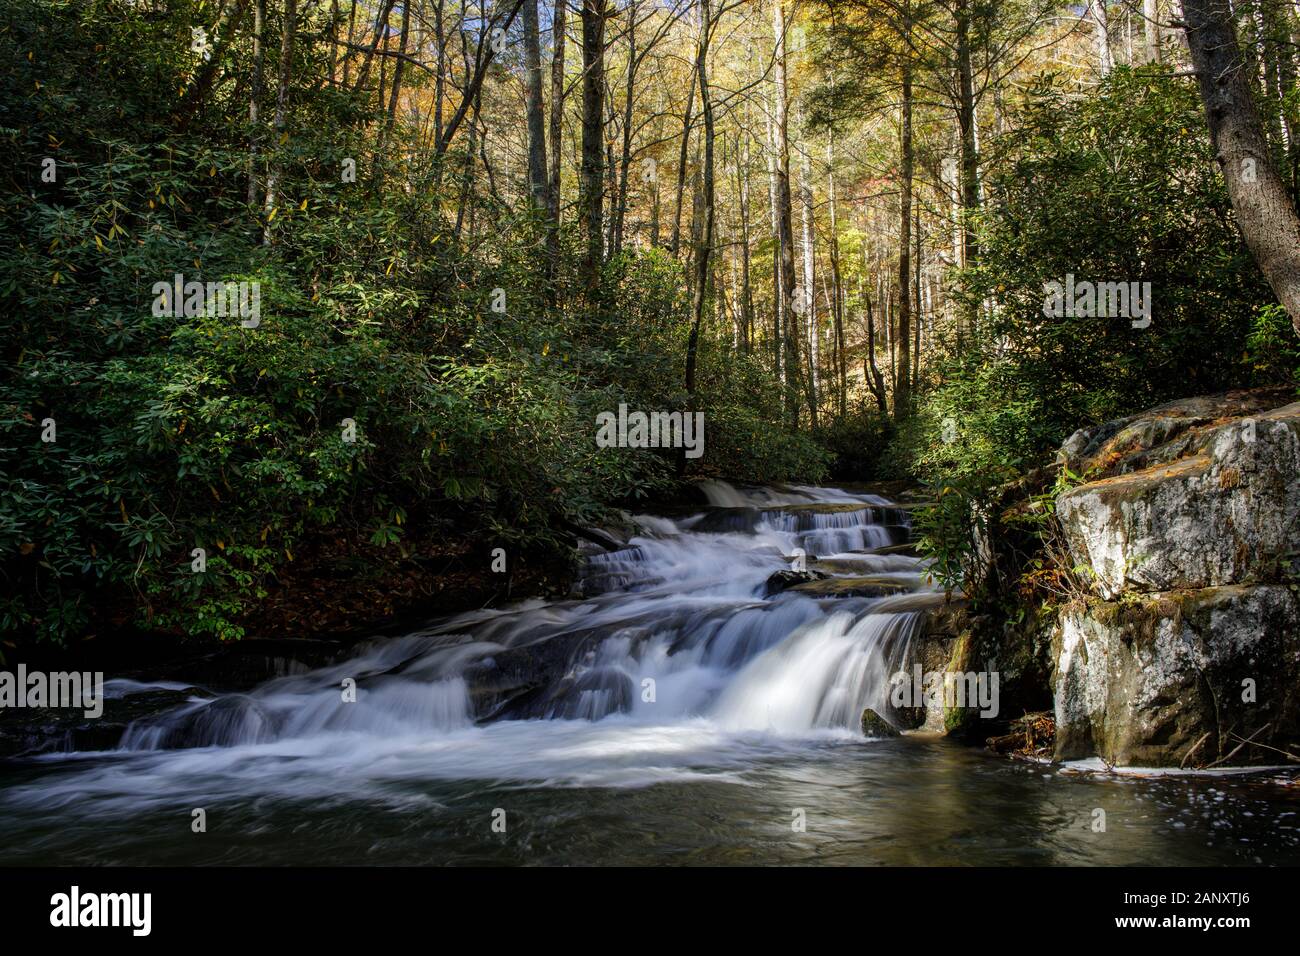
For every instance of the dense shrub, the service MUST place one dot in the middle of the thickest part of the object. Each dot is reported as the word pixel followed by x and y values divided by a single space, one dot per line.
pixel 378 320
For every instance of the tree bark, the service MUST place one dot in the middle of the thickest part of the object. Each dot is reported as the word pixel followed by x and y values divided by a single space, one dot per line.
pixel 1259 197
pixel 537 180
pixel 398 71
pixel 1151 30
pixel 785 217
pixel 255 97
pixel 704 245
pixel 746 287
pixel 902 385
pixel 591 179
pixel 809 298
pixel 557 133
pixel 281 113
pixel 1101 23
pixel 837 287
pixel 683 153
pixel 773 207
pixel 968 173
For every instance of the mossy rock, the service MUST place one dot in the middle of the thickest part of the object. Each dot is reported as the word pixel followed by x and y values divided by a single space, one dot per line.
pixel 873 725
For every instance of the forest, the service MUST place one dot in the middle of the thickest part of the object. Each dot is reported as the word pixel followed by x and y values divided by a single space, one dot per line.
pixel 300 291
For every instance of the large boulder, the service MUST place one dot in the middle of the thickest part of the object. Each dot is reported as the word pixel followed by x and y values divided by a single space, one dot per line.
pixel 1187 533
pixel 1187 502
pixel 1180 679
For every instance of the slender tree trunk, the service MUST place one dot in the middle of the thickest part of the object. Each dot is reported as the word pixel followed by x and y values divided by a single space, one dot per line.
pixel 381 33
pixel 537 181
pixel 347 53
pixel 683 153
pixel 557 133
pixel 891 334
pixel 470 97
pixel 837 287
pixel 591 183
pixel 557 106
pixel 334 40
pixel 398 70
pixel 1280 57
pixel 440 76
pixel 778 296
pixel 746 287
pixel 809 298
pixel 704 248
pixel 875 381
pixel 968 173
pixel 281 114
pixel 1259 197
pixel 255 98
pixel 785 217
pixel 918 316
pixel 1151 30
pixel 902 389
pixel 625 155
pixel 1101 24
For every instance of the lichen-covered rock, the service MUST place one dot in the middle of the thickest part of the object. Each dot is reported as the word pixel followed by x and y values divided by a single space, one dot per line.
pixel 1188 529
pixel 1180 678
pixel 1186 500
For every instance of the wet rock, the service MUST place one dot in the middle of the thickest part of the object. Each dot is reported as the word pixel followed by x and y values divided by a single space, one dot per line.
pixel 1189 531
pixel 1180 678
pixel 854 586
pixel 243 665
pixel 873 725
pixel 728 520
pixel 783 580
pixel 25 732
pixel 1212 502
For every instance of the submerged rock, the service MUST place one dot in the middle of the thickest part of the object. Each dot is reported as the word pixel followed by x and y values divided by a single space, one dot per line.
pixel 873 725
pixel 862 585
pixel 47 729
pixel 781 580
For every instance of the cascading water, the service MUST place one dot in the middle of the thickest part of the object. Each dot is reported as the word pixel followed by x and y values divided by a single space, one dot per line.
pixel 681 710
pixel 678 651
pixel 679 627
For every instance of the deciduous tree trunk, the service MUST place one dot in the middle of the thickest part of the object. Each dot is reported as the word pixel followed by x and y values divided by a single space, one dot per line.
pixel 537 178
pixel 785 217
pixel 902 386
pixel 1264 211
pixel 591 179
pixel 1151 30
pixel 281 113
pixel 1101 24
pixel 255 98
pixel 809 299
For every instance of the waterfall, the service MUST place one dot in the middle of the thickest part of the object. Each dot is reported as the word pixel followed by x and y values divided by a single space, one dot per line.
pixel 680 655
pixel 678 627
